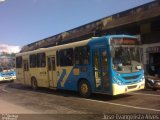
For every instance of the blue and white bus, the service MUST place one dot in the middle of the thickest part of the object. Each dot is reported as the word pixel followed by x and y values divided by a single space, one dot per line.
pixel 108 64
pixel 7 74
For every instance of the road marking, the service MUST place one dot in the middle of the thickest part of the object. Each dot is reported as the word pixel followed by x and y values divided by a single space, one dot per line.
pixel 129 106
pixel 3 88
pixel 146 94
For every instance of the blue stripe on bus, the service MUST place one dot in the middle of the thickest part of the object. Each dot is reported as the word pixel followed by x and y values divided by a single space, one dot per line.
pixel 61 77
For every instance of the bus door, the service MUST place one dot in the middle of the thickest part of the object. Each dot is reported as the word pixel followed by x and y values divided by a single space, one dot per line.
pixel 26 72
pixel 100 69
pixel 52 71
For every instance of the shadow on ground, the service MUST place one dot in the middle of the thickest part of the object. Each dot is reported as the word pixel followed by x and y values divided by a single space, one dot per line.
pixel 65 93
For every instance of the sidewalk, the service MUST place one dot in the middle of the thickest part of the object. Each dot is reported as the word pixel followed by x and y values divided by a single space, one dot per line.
pixel 9 108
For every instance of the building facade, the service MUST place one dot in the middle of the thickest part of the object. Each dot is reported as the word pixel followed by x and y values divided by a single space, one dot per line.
pixel 7 61
pixel 143 21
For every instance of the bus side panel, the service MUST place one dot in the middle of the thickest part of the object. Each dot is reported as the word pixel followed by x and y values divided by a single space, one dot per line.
pixel 69 78
pixel 19 76
pixel 40 74
pixel 27 77
pixel 65 77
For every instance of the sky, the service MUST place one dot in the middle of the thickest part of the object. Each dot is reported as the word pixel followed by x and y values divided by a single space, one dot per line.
pixel 26 21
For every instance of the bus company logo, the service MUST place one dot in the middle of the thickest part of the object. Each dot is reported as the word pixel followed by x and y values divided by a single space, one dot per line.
pixel 9 117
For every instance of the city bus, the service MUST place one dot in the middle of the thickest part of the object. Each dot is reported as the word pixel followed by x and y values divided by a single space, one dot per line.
pixel 7 74
pixel 109 64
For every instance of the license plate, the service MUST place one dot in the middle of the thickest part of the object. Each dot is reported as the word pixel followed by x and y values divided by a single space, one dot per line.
pixel 7 78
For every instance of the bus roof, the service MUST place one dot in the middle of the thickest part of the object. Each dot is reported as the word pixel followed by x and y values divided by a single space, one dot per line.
pixel 125 36
pixel 79 43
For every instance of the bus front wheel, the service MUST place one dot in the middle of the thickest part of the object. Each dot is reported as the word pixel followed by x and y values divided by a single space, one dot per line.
pixel 34 84
pixel 84 89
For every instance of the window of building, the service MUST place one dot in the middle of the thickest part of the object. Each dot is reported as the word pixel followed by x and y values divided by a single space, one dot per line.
pixel 19 62
pixel 33 60
pixel 82 55
pixel 66 57
pixel 41 60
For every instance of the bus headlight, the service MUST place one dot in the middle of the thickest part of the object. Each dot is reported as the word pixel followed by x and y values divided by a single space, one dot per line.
pixel 119 82
pixel 142 79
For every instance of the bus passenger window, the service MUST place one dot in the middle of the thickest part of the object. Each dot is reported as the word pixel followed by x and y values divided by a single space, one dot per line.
pixel 41 60
pixel 19 62
pixel 66 57
pixel 33 60
pixel 82 55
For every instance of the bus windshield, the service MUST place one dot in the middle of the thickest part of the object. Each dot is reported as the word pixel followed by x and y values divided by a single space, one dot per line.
pixel 126 58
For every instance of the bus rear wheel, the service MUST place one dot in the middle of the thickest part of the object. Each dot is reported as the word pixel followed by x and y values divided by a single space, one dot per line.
pixel 84 89
pixel 34 84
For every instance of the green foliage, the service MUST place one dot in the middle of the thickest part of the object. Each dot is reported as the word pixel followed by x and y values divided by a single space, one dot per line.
pixel 8 55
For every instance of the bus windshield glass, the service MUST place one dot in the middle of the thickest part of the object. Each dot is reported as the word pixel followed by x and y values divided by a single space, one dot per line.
pixel 126 55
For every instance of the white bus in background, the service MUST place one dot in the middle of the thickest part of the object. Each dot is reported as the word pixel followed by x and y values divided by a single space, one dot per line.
pixel 7 74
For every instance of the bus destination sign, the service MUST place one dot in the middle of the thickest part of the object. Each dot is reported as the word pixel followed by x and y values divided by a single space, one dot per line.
pixel 124 41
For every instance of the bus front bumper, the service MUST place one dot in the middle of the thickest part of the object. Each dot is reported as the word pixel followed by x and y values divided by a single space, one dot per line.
pixel 121 89
pixel 8 78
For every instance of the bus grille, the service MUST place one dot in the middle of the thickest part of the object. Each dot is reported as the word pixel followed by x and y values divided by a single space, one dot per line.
pixel 7 74
pixel 7 78
pixel 131 77
pixel 131 87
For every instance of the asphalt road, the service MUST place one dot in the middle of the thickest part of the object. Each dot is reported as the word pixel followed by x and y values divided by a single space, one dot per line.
pixel 48 104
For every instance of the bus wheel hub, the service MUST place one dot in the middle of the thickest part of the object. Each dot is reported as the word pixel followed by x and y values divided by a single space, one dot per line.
pixel 84 88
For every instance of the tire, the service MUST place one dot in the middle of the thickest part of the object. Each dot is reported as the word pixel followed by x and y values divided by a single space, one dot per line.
pixel 84 89
pixel 34 84
pixel 11 81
